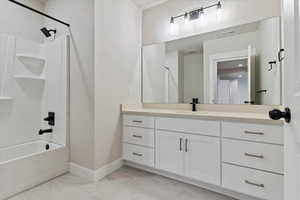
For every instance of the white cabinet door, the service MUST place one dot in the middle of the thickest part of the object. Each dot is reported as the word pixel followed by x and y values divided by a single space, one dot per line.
pixel 169 151
pixel 202 158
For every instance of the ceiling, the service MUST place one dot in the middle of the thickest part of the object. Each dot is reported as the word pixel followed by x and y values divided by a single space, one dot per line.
pixel 148 3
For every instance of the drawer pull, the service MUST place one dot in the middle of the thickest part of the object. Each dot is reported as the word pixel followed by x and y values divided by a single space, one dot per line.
pixel 137 154
pixel 180 145
pixel 254 184
pixel 254 156
pixel 137 121
pixel 137 136
pixel 186 145
pixel 253 133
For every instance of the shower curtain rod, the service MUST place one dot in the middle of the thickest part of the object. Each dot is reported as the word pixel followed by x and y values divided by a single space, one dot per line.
pixel 39 12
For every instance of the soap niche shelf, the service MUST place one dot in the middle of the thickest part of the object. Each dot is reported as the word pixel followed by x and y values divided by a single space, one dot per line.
pixel 30 78
pixel 34 63
pixel 2 98
pixel 31 59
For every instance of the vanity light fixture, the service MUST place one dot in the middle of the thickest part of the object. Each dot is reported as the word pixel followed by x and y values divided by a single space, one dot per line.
pixel 198 13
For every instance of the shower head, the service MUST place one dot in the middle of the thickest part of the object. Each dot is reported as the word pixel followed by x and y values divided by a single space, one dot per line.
pixel 47 32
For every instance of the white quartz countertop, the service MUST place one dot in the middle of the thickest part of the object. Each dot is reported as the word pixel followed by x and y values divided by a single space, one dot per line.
pixel 251 117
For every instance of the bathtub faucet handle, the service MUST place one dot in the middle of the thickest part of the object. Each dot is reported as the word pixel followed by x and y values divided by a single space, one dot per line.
pixel 50 119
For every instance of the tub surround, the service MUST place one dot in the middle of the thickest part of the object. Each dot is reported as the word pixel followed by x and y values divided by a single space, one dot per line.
pixel 243 113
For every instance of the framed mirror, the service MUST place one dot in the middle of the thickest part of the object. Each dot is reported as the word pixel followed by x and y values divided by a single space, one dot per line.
pixel 237 65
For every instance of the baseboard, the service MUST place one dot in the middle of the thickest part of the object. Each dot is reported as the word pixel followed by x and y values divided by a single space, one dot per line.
pixel 206 186
pixel 82 172
pixel 108 169
pixel 95 175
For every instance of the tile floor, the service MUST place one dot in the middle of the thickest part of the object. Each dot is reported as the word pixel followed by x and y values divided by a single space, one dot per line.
pixel 124 184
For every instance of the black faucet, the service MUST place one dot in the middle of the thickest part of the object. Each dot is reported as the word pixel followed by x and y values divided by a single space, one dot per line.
pixel 50 119
pixel 194 103
pixel 42 132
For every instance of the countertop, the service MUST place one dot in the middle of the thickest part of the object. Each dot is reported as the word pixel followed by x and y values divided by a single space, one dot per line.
pixel 251 117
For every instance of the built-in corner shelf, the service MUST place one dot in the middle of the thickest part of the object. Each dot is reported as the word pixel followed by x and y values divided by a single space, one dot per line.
pixel 32 78
pixel 6 98
pixel 32 60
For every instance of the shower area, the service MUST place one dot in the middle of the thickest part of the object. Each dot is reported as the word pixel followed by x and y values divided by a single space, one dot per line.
pixel 34 76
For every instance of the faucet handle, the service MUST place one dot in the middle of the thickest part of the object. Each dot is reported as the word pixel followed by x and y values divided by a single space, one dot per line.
pixel 195 100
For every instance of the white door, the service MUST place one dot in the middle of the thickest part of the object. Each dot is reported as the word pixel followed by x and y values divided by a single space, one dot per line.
pixel 202 158
pixel 169 151
pixel 223 58
pixel 292 99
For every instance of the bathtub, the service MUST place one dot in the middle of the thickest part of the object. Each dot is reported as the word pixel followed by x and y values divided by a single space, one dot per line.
pixel 27 165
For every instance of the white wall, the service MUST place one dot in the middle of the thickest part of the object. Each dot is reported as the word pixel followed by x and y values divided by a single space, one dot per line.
pixel 156 20
pixel 268 45
pixel 20 22
pixel 80 14
pixel 117 72
pixel 193 77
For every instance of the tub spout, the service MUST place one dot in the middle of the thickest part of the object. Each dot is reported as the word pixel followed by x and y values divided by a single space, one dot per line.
pixel 42 132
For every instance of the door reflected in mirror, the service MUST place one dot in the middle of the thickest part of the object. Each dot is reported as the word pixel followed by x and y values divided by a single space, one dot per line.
pixel 232 82
pixel 238 65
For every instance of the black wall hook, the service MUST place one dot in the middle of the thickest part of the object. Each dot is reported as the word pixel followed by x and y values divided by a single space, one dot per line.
pixel 271 63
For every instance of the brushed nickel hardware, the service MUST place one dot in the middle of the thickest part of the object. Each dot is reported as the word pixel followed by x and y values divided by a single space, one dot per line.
pixel 254 156
pixel 180 144
pixel 137 136
pixel 254 184
pixel 186 145
pixel 253 133
pixel 137 121
pixel 137 154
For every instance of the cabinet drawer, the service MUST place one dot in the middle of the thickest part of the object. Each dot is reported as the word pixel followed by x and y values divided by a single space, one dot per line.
pixel 139 121
pixel 140 136
pixel 253 182
pixel 255 155
pixel 253 132
pixel 202 127
pixel 138 154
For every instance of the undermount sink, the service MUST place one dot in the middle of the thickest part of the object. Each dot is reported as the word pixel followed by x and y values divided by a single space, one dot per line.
pixel 189 112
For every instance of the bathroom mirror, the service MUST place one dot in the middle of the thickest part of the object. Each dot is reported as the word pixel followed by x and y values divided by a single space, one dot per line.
pixel 237 65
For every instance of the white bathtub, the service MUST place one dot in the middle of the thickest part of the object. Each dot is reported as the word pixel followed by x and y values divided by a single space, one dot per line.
pixel 27 165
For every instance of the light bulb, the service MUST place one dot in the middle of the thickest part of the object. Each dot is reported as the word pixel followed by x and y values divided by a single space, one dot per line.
pixel 186 18
pixel 174 28
pixel 202 17
pixel 219 11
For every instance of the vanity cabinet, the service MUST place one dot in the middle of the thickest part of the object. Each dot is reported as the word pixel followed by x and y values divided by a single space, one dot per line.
pixel 246 158
pixel 252 159
pixel 193 156
pixel 169 151
pixel 138 139
pixel 202 159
